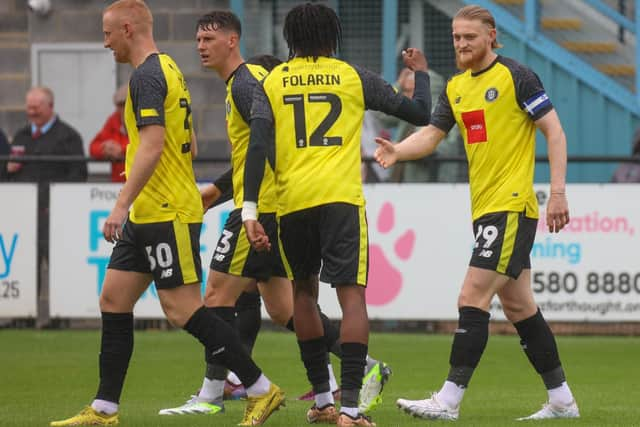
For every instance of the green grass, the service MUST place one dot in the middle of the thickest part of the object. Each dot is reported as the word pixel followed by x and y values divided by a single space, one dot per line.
pixel 48 375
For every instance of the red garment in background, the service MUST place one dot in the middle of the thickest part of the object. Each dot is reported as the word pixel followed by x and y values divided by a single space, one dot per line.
pixel 113 129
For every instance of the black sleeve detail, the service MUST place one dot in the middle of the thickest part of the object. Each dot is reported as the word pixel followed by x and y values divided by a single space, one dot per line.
pixel 413 110
pixel 242 92
pixel 259 141
pixel 381 96
pixel 225 181
pixel 442 116
pixel 528 86
pixel 260 105
pixel 225 185
pixel 378 94
pixel 148 87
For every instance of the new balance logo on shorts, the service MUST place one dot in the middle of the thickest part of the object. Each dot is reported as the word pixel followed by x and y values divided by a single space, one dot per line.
pixel 166 273
pixel 486 253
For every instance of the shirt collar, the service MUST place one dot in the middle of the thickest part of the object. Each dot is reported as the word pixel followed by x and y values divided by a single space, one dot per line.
pixel 44 129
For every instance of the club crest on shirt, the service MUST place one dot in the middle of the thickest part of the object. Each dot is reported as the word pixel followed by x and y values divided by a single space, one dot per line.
pixel 491 94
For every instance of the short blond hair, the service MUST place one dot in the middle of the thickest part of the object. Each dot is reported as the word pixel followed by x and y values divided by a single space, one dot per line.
pixel 474 12
pixel 136 10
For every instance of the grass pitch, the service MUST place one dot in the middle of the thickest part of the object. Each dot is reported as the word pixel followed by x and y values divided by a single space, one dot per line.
pixel 50 375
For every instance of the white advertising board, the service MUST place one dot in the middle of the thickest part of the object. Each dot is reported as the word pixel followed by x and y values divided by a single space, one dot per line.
pixel 79 255
pixel 587 272
pixel 420 239
pixel 18 250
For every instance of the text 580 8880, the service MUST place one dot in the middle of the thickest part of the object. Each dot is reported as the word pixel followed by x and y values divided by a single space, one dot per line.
pixel 593 282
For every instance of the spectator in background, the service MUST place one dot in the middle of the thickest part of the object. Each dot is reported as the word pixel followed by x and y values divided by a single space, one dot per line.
pixel 111 142
pixel 427 169
pixel 630 172
pixel 45 135
pixel 372 128
pixel 4 151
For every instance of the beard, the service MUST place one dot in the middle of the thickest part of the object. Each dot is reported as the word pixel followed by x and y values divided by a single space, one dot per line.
pixel 464 61
pixel 469 59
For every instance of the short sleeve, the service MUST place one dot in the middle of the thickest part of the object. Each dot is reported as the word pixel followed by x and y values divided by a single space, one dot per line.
pixel 260 106
pixel 148 90
pixel 442 116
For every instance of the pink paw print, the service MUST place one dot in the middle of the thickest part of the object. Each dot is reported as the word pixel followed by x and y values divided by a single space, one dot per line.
pixel 385 281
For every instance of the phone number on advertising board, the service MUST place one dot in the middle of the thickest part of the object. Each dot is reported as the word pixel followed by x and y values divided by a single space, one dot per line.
pixel 594 283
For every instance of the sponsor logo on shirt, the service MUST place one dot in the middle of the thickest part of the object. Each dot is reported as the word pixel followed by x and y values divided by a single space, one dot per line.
pixel 475 125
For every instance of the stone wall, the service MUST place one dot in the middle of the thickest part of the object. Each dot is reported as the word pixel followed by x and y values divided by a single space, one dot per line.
pixel 80 21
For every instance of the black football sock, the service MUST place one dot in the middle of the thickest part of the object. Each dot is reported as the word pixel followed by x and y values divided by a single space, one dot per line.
pixel 116 348
pixel 469 342
pixel 222 343
pixel 248 318
pixel 331 334
pixel 539 345
pixel 314 357
pixel 215 370
pixel 352 370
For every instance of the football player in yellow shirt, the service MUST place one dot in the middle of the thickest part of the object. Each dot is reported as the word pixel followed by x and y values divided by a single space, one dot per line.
pixel 497 104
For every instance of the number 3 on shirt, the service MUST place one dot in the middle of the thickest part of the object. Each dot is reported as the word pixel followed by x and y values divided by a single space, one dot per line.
pixel 317 138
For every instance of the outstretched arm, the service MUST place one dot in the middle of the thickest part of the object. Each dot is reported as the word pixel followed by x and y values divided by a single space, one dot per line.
pixel 415 146
pixel 381 96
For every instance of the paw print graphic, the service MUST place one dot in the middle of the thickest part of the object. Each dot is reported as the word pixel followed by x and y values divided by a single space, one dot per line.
pixel 385 280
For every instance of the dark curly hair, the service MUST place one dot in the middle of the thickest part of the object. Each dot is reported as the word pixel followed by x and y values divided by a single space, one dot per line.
pixel 312 29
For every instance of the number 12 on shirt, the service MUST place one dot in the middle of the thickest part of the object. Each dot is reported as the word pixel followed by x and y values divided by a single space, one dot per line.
pixel 318 137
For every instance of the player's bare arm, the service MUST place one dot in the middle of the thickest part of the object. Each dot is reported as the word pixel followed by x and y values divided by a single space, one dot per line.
pixel 144 164
pixel 209 195
pixel 415 146
pixel 557 207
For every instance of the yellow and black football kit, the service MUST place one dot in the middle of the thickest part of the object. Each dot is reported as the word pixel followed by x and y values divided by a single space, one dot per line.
pixel 307 115
pixel 495 110
pixel 233 253
pixel 162 233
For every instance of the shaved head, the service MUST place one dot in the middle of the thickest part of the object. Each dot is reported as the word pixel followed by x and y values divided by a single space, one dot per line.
pixel 134 12
pixel 127 26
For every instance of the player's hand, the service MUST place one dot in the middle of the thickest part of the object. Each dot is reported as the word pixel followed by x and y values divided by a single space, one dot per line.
pixel 257 236
pixel 385 154
pixel 112 229
pixel 557 212
pixel 414 59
